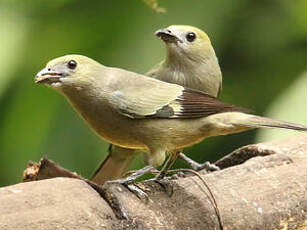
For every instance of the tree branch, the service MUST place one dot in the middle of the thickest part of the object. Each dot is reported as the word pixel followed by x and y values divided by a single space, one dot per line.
pixel 268 192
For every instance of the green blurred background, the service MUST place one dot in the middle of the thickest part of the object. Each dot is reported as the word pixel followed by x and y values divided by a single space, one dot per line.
pixel 261 46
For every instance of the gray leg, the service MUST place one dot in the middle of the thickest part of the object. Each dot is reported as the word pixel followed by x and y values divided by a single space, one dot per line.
pixel 196 166
pixel 129 181
pixel 137 174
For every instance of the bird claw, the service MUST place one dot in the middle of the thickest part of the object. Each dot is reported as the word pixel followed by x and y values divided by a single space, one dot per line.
pixel 129 182
pixel 197 166
pixel 209 167
pixel 132 187
pixel 138 192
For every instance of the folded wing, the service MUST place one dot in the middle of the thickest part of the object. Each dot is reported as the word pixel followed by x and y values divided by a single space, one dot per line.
pixel 163 100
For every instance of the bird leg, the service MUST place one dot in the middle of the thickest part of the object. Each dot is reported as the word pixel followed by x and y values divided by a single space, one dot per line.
pixel 129 182
pixel 134 176
pixel 196 166
pixel 160 178
pixel 169 163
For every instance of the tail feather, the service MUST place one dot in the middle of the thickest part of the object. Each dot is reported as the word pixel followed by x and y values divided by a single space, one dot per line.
pixel 258 122
pixel 114 166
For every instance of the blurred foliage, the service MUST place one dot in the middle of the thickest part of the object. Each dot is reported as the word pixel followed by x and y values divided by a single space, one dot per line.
pixel 261 45
pixel 153 4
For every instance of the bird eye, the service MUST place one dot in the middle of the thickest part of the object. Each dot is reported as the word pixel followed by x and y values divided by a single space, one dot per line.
pixel 72 64
pixel 190 36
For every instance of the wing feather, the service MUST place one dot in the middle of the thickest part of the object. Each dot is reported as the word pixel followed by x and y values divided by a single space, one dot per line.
pixel 164 100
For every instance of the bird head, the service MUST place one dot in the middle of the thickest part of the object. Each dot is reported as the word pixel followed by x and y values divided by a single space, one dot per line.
pixel 67 71
pixel 185 40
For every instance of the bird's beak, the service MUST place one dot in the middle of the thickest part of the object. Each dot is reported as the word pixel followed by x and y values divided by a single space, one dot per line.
pixel 167 36
pixel 47 75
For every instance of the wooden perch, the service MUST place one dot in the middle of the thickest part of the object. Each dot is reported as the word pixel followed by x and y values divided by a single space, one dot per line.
pixel 268 191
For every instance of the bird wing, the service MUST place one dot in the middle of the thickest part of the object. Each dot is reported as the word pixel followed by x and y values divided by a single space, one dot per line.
pixel 167 101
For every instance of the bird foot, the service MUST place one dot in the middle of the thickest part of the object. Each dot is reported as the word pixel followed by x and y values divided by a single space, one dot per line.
pixel 129 182
pixel 197 166
pixel 209 167
pixel 132 187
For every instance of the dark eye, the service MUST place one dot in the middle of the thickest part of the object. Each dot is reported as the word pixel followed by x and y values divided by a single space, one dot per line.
pixel 72 64
pixel 190 36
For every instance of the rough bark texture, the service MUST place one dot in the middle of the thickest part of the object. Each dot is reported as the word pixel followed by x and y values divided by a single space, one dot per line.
pixel 268 191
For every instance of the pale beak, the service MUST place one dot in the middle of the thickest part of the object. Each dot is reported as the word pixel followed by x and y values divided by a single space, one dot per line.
pixel 47 75
pixel 167 36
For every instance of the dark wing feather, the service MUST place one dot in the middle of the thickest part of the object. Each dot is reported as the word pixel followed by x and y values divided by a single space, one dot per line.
pixel 195 104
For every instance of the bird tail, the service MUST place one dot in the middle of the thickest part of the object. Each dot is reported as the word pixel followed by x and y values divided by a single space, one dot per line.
pixel 264 122
pixel 114 166
pixel 235 122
